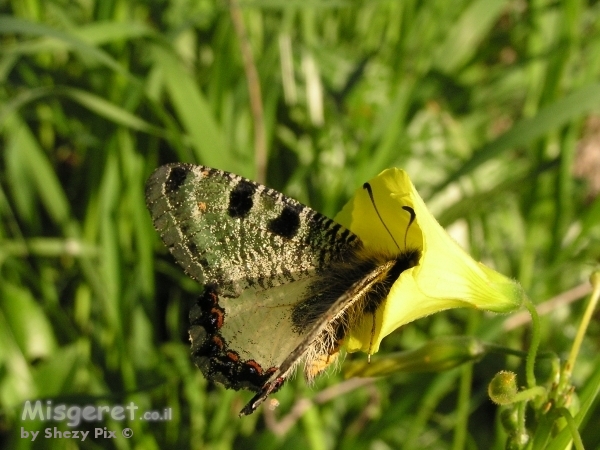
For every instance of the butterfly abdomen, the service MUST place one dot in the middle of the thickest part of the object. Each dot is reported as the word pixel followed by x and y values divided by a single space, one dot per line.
pixel 403 261
pixel 366 276
pixel 346 291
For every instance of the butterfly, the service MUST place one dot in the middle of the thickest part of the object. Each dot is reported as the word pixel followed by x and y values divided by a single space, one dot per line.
pixel 283 284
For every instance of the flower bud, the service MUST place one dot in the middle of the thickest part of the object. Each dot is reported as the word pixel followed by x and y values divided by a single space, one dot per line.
pixel 503 388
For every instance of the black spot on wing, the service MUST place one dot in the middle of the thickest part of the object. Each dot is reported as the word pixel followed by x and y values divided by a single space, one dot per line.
pixel 176 178
pixel 193 248
pixel 240 199
pixel 288 222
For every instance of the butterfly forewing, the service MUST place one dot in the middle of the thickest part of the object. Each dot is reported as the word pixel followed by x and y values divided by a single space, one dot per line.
pixel 227 230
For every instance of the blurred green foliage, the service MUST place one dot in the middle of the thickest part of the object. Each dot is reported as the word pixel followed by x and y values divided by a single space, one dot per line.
pixel 491 106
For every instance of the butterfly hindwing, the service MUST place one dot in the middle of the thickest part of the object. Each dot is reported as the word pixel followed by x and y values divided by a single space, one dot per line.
pixel 240 342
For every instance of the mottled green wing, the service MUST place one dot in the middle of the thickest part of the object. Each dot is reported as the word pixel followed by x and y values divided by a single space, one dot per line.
pixel 236 234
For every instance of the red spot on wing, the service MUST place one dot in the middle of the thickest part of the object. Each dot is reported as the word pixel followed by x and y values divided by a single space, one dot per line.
pixel 218 342
pixel 233 356
pixel 254 365
pixel 218 317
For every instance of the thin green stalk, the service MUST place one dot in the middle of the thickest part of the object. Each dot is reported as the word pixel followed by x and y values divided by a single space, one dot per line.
pixel 521 417
pixel 535 343
pixel 595 280
pixel 502 350
pixel 564 412
pixel 464 394
pixel 464 402
pixel 529 394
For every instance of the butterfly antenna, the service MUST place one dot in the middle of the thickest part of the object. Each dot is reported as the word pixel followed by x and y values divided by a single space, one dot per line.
pixel 411 211
pixel 412 219
pixel 367 186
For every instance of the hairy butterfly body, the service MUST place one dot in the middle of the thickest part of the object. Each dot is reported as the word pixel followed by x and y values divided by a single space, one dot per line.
pixel 283 284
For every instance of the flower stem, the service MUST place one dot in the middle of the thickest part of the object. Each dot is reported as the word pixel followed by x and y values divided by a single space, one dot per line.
pixel 528 394
pixel 489 347
pixel 564 412
pixel 535 343
pixel 464 398
pixel 595 280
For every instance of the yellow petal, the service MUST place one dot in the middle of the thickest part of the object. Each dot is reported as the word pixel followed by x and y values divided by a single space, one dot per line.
pixel 446 276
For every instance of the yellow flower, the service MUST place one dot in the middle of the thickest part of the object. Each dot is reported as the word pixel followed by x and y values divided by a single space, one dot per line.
pixel 445 277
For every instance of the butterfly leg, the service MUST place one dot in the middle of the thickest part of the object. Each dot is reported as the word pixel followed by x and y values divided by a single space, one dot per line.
pixel 267 390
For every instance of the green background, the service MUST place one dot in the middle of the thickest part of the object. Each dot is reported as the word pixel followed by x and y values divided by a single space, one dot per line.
pixel 493 107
